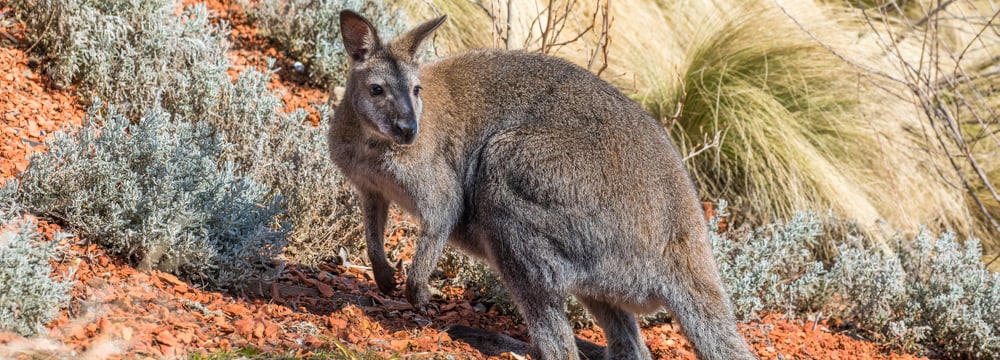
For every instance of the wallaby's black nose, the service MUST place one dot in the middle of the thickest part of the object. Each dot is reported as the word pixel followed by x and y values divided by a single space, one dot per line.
pixel 406 131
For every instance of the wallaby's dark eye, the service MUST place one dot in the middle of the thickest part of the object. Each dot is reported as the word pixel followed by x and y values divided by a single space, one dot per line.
pixel 416 90
pixel 375 90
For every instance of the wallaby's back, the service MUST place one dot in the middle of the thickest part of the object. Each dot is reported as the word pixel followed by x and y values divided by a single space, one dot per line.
pixel 588 145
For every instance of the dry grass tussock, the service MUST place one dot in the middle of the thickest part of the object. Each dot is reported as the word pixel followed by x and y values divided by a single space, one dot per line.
pixel 773 117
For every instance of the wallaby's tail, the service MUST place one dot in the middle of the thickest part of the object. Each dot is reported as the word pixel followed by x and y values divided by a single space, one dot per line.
pixel 494 344
pixel 698 301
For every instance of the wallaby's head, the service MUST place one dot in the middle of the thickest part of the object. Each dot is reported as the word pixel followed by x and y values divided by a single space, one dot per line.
pixel 383 85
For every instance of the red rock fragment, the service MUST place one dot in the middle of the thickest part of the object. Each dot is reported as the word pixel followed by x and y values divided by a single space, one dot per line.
pixel 244 327
pixel 167 338
pixel 325 290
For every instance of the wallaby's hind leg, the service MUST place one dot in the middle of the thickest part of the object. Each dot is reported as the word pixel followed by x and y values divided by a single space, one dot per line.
pixel 537 279
pixel 620 328
pixel 696 298
pixel 549 329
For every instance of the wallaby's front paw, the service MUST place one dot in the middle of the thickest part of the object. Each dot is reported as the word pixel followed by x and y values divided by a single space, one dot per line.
pixel 418 294
pixel 385 277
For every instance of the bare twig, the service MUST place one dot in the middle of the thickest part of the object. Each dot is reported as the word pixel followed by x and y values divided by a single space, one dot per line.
pixel 705 145
pixel 499 35
pixel 603 39
pixel 549 25
pixel 933 13
pixel 48 25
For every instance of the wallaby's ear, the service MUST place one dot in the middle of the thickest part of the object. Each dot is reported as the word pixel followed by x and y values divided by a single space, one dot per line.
pixel 360 38
pixel 412 42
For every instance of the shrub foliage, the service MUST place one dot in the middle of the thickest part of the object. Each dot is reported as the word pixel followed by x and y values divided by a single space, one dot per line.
pixel 287 154
pixel 310 31
pixel 29 298
pixel 153 193
pixel 136 54
pixel 922 292
pixel 146 61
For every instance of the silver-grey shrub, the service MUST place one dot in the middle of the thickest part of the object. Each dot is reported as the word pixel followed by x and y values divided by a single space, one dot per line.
pixel 872 285
pixel 154 193
pixel 928 290
pixel 141 57
pixel 287 154
pixel 923 292
pixel 320 203
pixel 29 298
pixel 309 30
pixel 134 53
pixel 772 267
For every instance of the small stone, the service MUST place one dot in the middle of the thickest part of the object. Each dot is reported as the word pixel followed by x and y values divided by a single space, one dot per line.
pixel 325 290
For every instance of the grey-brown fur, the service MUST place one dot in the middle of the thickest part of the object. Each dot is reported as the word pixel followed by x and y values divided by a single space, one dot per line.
pixel 554 177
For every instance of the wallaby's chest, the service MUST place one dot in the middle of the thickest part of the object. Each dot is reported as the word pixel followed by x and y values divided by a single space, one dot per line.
pixel 424 178
pixel 381 172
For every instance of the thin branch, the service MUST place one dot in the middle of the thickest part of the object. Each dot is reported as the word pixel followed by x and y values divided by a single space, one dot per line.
pixel 706 144
pixel 843 58
pixel 933 12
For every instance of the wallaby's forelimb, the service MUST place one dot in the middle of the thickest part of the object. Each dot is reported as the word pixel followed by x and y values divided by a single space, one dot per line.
pixel 425 259
pixel 375 209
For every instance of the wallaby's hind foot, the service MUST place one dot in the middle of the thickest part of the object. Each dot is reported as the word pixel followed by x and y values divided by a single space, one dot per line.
pixel 621 330
pixel 493 344
pixel 551 334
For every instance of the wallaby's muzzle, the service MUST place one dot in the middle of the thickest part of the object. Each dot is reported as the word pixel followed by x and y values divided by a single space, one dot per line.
pixel 404 132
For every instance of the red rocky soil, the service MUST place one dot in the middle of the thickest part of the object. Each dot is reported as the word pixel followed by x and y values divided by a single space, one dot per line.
pixel 119 312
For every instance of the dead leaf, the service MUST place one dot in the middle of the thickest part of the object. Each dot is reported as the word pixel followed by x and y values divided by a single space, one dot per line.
pixel 235 310
pixel 185 336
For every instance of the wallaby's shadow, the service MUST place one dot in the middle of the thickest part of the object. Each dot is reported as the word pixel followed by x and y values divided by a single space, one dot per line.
pixel 493 343
pixel 299 289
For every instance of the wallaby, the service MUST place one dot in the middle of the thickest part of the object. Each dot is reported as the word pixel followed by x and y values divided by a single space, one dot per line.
pixel 560 182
